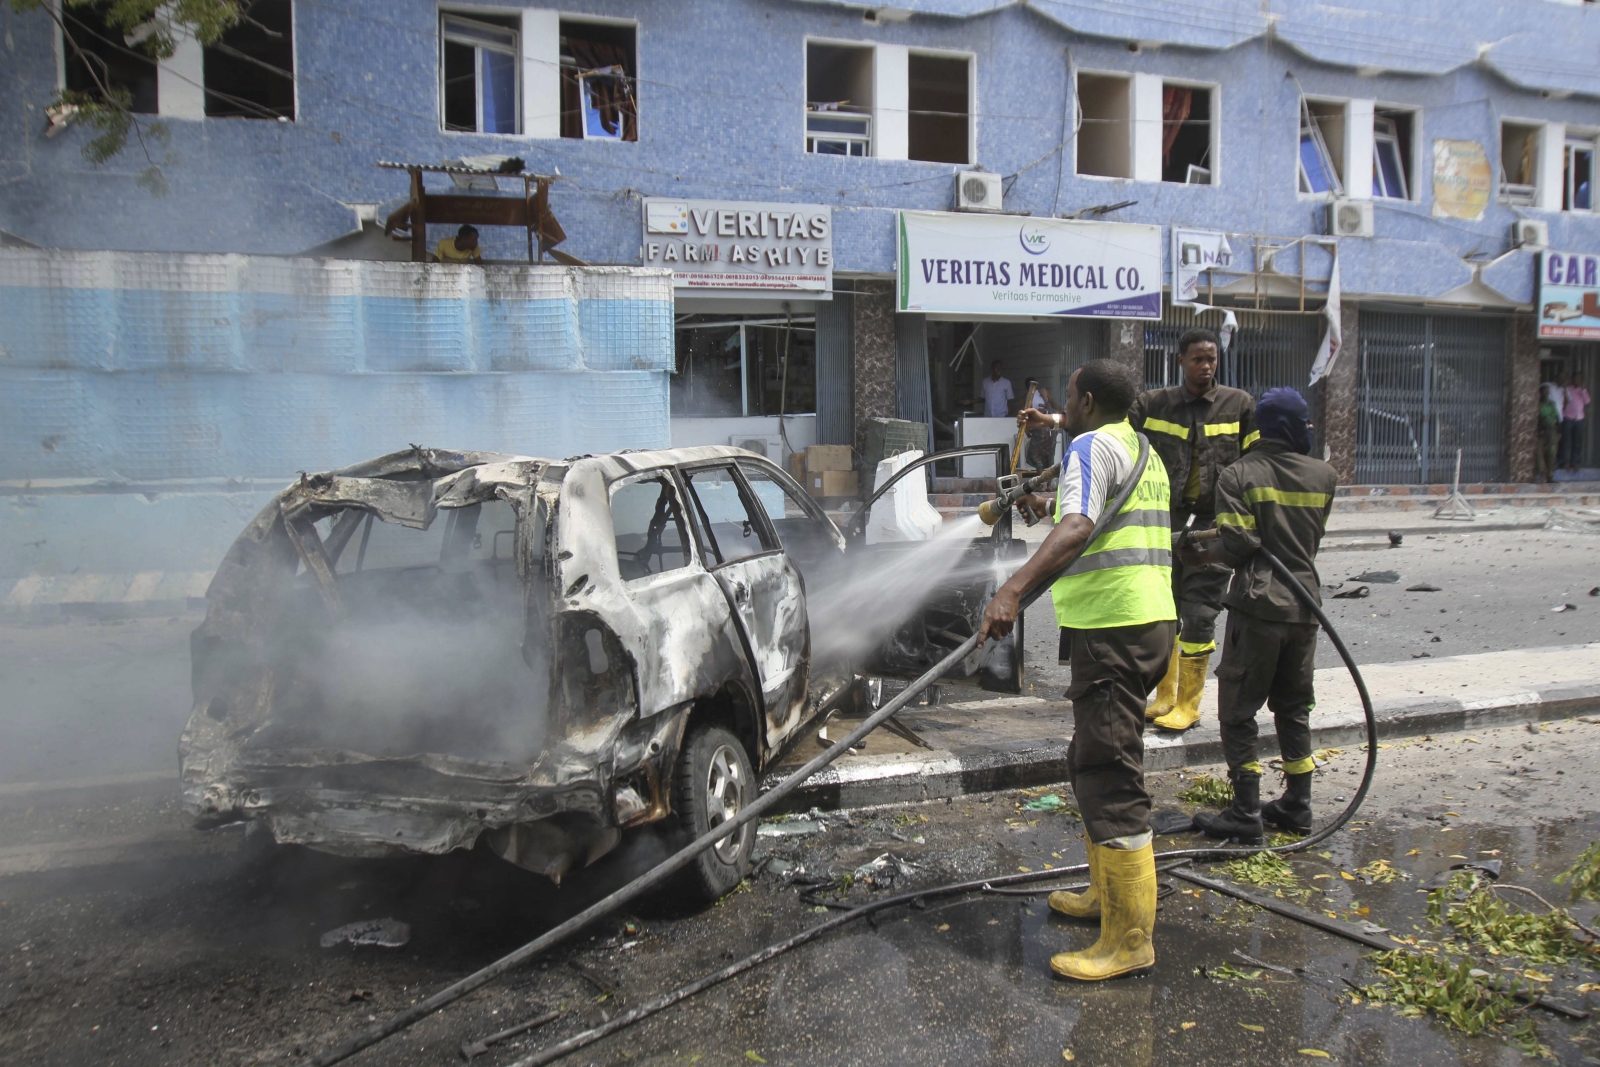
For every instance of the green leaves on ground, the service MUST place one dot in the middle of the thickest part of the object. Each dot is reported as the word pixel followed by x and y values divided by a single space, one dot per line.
pixel 1227 972
pixel 1468 905
pixel 1584 874
pixel 1212 792
pixel 1379 870
pixel 1457 994
pixel 1264 870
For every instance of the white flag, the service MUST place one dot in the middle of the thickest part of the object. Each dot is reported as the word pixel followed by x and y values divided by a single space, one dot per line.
pixel 1332 338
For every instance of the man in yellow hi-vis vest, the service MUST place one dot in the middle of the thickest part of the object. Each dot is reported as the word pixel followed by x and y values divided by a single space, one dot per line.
pixel 1115 607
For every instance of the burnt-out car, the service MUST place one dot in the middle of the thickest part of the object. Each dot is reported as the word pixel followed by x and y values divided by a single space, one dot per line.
pixel 435 650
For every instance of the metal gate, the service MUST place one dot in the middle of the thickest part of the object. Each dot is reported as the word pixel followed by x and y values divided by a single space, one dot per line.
pixel 1429 385
pixel 1269 349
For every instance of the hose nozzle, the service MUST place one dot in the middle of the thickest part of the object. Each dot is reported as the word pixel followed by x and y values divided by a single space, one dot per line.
pixel 991 511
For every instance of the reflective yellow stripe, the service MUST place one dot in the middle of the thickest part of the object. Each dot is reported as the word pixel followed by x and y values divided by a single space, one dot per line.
pixel 1277 496
pixel 1163 426
pixel 1196 648
pixel 1215 428
pixel 1250 438
pixel 1233 518
pixel 1299 766
pixel 1253 767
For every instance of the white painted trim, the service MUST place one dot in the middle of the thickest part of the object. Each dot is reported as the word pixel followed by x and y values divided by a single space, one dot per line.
pixel 1358 141
pixel 180 80
pixel 1552 175
pixel 541 73
pixel 1145 110
pixel 891 101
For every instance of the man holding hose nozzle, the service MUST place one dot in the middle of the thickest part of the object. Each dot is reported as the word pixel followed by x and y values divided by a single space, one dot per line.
pixel 1278 498
pixel 1115 606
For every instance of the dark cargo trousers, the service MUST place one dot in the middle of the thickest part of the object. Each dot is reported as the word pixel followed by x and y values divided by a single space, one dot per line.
pixel 1113 671
pixel 1267 663
pixel 1197 591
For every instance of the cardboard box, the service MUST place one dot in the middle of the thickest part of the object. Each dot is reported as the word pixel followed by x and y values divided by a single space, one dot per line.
pixel 832 483
pixel 797 466
pixel 820 458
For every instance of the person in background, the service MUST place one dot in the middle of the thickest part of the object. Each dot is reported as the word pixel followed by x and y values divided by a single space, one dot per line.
pixel 462 248
pixel 1548 441
pixel 1277 497
pixel 1574 409
pixel 1041 446
pixel 997 394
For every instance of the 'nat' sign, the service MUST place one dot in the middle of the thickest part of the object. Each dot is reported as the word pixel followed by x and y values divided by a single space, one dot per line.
pixel 1569 296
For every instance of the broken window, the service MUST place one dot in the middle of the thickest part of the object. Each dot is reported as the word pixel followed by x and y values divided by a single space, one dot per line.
pixel 728 365
pixel 1519 154
pixel 249 72
pixel 1577 193
pixel 479 59
pixel 101 58
pixel 1391 155
pixel 649 527
pixel 732 529
pixel 1105 142
pixel 938 96
pixel 839 99
pixel 599 83
pixel 1185 134
pixel 804 537
pixel 1321 147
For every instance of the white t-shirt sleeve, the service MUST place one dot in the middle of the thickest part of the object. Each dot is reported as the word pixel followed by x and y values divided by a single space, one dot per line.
pixel 1089 470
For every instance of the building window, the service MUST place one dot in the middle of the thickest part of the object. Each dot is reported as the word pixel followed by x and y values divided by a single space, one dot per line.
pixel 1185 134
pixel 479 59
pixel 1519 168
pixel 939 100
pixel 1391 155
pixel 1321 147
pixel 732 366
pixel 1577 192
pixel 1105 144
pixel 599 81
pixel 249 72
pixel 99 57
pixel 839 99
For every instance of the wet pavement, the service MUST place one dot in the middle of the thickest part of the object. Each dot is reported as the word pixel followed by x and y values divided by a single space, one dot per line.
pixel 211 955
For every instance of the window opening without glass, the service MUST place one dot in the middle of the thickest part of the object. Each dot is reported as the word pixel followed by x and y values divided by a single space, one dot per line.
pixel 1186 134
pixel 99 57
pixel 1391 155
pixel 731 528
pixel 480 59
pixel 599 81
pixel 938 96
pixel 249 72
pixel 1519 154
pixel 839 100
pixel 1105 136
pixel 1578 187
pixel 1321 147
pixel 648 524
pixel 729 366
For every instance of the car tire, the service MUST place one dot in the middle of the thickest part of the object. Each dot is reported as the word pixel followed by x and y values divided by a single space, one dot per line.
pixel 713 782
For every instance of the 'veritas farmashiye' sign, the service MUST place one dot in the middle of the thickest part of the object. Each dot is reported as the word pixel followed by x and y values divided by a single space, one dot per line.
pixel 1014 265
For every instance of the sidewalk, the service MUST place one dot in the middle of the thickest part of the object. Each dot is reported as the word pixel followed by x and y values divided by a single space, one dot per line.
pixel 1014 742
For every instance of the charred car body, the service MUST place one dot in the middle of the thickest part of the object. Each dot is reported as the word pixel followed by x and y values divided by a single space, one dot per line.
pixel 436 649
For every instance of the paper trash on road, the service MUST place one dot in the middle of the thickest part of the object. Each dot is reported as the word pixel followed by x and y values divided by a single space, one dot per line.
pixel 384 933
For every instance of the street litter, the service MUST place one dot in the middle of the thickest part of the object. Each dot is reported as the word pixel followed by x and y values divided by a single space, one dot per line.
pixel 1423 587
pixel 384 933
pixel 882 871
pixel 1565 607
pixel 1395 539
pixel 1048 802
pixel 790 828
pixel 471 1049
pixel 1595 591
pixel 1378 577
pixel 1353 594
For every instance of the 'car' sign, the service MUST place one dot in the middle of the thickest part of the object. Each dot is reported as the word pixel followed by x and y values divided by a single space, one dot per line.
pixel 1569 296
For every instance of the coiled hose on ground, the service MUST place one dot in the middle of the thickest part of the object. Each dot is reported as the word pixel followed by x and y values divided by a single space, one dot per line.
pixel 661 872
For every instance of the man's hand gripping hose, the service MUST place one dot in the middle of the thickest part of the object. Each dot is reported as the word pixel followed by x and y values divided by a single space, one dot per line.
pixel 661 872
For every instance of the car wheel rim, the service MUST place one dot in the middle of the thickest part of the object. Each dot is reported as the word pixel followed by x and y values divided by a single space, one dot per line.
pixel 725 790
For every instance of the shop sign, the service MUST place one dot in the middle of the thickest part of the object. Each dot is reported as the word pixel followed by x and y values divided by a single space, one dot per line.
pixel 961 264
pixel 1461 180
pixel 1569 296
pixel 1194 252
pixel 739 245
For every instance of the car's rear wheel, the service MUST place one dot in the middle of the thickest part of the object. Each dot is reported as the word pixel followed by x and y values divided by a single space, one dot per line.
pixel 712 785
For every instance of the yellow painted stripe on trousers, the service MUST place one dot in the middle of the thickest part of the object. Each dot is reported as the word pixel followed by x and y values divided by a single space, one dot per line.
pixel 1267 493
pixel 1299 766
pixel 1163 426
pixel 1196 648
pixel 1215 428
pixel 1233 518
pixel 1250 438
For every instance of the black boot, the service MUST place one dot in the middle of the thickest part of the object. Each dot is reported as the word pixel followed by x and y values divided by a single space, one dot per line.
pixel 1292 811
pixel 1242 820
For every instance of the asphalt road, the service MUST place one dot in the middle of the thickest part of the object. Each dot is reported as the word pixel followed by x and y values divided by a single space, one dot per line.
pixel 131 939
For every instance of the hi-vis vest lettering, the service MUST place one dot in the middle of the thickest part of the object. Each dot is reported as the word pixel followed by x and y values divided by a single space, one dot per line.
pixel 1124 577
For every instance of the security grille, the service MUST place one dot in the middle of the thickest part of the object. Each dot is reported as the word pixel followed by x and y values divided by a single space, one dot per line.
pixel 1430 384
pixel 1268 349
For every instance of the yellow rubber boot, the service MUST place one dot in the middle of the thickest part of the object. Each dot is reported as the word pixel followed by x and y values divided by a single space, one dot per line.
pixel 1167 691
pixel 1127 918
pixel 1084 905
pixel 1191 686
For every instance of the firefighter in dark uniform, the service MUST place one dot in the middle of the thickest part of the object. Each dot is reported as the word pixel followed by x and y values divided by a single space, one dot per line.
pixel 1198 429
pixel 1277 497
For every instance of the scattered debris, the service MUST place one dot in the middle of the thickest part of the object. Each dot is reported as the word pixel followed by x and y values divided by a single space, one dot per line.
pixel 471 1049
pixel 1468 906
pixel 1422 655
pixel 881 872
pixel 1423 587
pixel 1419 984
pixel 1378 577
pixel 1380 871
pixel 1263 870
pixel 799 826
pixel 1212 792
pixel 1048 802
pixel 1584 874
pixel 1227 972
pixel 1355 593
pixel 384 933
pixel 1395 538
pixel 605 986
pixel 1435 639
pixel 1595 591
pixel 1565 607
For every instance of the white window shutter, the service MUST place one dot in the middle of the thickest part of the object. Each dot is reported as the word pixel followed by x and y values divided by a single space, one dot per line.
pixel 1358 116
pixel 541 73
pixel 891 101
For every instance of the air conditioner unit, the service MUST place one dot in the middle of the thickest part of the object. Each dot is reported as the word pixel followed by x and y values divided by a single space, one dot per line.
pixel 761 445
pixel 977 190
pixel 1350 218
pixel 1530 233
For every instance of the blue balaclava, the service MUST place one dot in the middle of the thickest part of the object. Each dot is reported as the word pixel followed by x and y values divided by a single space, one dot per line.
pixel 1283 415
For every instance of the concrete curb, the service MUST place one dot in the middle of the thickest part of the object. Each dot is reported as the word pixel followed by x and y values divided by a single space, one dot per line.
pixel 866 781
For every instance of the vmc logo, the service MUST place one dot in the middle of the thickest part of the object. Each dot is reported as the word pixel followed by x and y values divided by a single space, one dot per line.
pixel 1035 241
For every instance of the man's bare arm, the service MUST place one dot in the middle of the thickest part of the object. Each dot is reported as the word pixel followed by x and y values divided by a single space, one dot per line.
pixel 1060 548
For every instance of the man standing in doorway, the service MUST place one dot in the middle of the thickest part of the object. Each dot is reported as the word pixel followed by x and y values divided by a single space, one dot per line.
pixel 997 394
pixel 1197 428
pixel 1574 408
pixel 1114 606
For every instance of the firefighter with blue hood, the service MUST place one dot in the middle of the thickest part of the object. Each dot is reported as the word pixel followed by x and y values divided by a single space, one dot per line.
pixel 1276 496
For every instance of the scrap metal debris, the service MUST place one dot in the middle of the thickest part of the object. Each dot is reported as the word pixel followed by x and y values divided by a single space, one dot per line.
pixel 1355 593
pixel 1564 607
pixel 471 1049
pixel 1423 587
pixel 384 933
pixel 1378 577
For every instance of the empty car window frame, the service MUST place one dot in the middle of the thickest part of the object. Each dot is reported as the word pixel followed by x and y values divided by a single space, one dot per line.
pixel 668 557
pixel 710 551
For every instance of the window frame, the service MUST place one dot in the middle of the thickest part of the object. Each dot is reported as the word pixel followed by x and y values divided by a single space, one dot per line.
pixel 1407 166
pixel 1537 131
pixel 871 136
pixel 1585 141
pixel 1214 134
pixel 1126 77
pixel 1307 123
pixel 477 15
pixel 971 60
pixel 701 522
pixel 695 559
pixel 566 18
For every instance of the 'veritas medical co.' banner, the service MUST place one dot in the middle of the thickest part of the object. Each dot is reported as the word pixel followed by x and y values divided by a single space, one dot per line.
pixel 1569 296
pixel 1013 265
